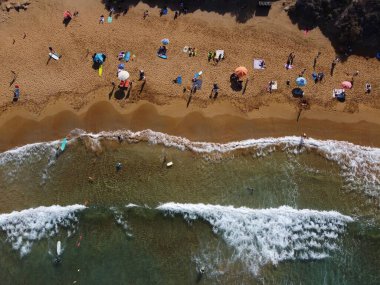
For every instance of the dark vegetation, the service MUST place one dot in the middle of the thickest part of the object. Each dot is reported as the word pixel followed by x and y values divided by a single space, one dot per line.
pixel 242 10
pixel 354 23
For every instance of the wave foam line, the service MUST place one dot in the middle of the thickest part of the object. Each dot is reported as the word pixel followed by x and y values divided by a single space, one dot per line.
pixel 24 227
pixel 272 235
pixel 360 165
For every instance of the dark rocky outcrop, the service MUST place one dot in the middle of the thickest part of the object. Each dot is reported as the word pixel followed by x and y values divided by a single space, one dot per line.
pixel 354 23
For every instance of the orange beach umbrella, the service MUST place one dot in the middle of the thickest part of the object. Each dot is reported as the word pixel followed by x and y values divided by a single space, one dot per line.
pixel 241 71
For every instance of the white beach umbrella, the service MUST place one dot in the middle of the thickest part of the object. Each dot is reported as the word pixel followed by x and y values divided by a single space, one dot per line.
pixel 123 75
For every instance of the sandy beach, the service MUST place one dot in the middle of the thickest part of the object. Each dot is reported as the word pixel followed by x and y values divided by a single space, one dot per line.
pixel 72 93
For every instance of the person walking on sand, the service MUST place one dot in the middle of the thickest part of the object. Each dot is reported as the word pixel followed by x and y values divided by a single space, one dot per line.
pixel 214 91
pixel 175 15
pixel 368 88
pixel 141 75
pixel 101 19
pixel 16 93
pixel 288 83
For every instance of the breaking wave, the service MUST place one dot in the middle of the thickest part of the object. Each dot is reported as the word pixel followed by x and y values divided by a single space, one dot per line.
pixel 24 227
pixel 360 165
pixel 264 236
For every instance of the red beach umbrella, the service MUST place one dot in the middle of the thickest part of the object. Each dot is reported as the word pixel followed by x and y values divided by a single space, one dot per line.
pixel 346 84
pixel 241 71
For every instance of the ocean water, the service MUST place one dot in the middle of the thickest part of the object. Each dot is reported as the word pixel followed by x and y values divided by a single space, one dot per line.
pixel 266 211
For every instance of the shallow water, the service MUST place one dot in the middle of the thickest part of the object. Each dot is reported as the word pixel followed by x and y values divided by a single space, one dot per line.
pixel 112 243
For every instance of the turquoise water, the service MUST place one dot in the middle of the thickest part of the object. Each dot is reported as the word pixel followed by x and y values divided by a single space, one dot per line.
pixel 109 242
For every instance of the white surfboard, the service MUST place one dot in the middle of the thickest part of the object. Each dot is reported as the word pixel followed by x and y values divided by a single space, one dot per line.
pixel 53 56
pixel 59 249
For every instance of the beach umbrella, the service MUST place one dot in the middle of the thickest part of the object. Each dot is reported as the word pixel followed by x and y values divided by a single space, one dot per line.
pixel 67 15
pixel 346 84
pixel 165 41
pixel 301 81
pixel 241 71
pixel 123 75
pixel 98 58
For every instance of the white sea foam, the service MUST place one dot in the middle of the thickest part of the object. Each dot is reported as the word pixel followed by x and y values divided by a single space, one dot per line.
pixel 264 236
pixel 24 227
pixel 360 165
pixel 120 219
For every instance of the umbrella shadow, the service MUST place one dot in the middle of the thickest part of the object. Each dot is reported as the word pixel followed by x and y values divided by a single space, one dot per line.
pixel 119 94
pixel 236 84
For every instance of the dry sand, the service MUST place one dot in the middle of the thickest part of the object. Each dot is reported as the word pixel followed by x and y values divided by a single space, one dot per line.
pixel 72 85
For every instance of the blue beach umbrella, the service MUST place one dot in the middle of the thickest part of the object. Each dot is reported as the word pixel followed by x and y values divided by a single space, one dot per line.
pixel 301 81
pixel 165 41
pixel 98 58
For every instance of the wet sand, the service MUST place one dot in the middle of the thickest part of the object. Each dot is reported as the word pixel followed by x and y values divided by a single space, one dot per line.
pixel 220 122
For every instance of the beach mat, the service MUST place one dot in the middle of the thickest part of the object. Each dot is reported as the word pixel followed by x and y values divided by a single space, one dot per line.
pixel 274 85
pixel 256 64
pixel 109 19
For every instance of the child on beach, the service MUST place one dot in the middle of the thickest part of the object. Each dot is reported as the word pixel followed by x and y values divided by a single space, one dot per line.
pixel 101 20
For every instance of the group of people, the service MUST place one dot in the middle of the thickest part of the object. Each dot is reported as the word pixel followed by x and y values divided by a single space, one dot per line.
pixel 211 55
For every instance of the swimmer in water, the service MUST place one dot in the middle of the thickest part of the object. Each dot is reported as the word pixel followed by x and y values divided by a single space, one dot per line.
pixel 119 166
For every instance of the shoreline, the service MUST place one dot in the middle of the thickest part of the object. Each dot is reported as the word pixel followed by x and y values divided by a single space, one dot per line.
pixel 219 122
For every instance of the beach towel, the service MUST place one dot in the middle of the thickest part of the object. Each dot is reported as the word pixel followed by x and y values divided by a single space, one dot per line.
pixel 179 80
pixel 274 85
pixel 288 66
pixel 256 64
pixel 109 19
pixel 337 92
pixel 219 52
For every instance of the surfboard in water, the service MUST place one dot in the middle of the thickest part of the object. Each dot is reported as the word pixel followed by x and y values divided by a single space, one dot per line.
pixel 59 249
pixel 63 144
pixel 101 70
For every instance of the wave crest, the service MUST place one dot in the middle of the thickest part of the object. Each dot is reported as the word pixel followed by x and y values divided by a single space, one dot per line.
pixel 267 236
pixel 24 227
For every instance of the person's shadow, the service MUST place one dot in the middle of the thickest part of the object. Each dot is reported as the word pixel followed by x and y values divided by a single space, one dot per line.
pixel 119 94
pixel 111 93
